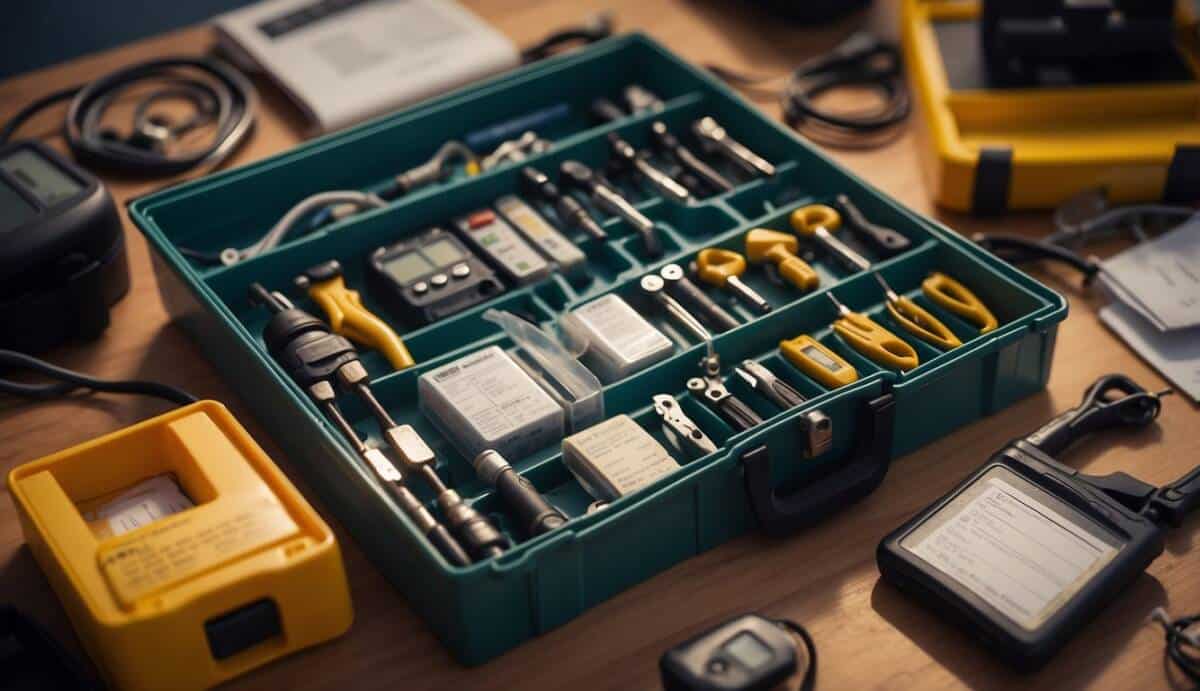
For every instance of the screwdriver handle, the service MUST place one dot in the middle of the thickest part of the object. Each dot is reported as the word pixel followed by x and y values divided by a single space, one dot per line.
pixel 818 221
pixel 953 296
pixel 876 343
pixel 536 515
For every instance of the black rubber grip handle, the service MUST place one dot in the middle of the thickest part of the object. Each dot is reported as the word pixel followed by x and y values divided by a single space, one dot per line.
pixel 450 548
pixel 535 514
pixel 741 416
pixel 849 481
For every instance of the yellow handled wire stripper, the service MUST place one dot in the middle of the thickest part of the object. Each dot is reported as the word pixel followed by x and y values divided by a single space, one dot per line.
pixel 874 342
pixel 820 363
pixel 347 316
pixel 779 249
pixel 956 298
pixel 917 320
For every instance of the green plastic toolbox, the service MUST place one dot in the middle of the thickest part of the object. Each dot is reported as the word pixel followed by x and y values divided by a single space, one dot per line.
pixel 756 480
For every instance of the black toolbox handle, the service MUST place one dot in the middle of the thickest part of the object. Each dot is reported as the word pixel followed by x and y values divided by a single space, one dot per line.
pixel 827 494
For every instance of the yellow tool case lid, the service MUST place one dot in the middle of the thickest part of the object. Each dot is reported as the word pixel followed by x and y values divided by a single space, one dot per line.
pixel 182 555
pixel 994 148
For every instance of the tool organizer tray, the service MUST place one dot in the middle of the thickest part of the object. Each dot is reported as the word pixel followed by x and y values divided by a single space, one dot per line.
pixel 756 479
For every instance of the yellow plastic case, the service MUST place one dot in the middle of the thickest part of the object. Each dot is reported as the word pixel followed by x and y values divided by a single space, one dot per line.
pixel 992 150
pixel 249 574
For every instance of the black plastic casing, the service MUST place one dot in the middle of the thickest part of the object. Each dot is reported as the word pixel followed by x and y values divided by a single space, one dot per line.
pixel 701 663
pixel 1026 650
pixel 61 271
pixel 419 309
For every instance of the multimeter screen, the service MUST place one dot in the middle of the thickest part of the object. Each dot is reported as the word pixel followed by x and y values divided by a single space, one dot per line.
pixel 442 253
pixel 748 650
pixel 822 359
pixel 406 268
pixel 38 177
pixel 1014 545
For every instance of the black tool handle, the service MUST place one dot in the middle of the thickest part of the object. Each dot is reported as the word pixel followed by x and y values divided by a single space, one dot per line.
pixel 784 395
pixel 741 416
pixel 850 480
pixel 687 292
pixel 1098 410
pixel 885 240
pixel 536 515
pixel 449 547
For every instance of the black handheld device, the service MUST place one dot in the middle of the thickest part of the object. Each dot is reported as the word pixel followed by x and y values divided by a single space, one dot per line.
pixel 62 251
pixel 747 653
pixel 430 277
pixel 1026 551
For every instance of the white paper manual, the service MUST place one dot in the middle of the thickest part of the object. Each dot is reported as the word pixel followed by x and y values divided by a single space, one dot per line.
pixel 1175 354
pixel 1160 279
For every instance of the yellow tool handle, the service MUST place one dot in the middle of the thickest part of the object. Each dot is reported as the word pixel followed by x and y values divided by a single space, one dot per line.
pixel 819 363
pixel 796 271
pixel 807 219
pixel 919 322
pixel 876 343
pixel 348 317
pixel 956 298
pixel 715 266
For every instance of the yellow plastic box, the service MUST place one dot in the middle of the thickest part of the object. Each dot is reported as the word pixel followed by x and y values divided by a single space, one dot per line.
pixel 166 595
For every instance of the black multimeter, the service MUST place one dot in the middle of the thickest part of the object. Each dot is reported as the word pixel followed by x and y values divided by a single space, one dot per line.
pixel 62 251
pixel 430 277
pixel 747 653
pixel 1026 550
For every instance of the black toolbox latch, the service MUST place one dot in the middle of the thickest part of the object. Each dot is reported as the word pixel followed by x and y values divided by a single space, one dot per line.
pixel 825 495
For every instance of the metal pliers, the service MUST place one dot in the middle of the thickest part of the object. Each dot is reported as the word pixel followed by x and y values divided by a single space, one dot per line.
pixel 682 432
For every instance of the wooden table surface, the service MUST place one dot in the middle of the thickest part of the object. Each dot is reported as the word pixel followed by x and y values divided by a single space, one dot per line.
pixel 867 635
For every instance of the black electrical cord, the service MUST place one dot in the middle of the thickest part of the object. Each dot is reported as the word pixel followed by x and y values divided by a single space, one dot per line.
pixel 597 27
pixel 65 381
pixel 1016 249
pixel 1178 643
pixel 810 674
pixel 860 61
pixel 224 98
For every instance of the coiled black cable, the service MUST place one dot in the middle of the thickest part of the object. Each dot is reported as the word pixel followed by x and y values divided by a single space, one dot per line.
pixel 223 98
pixel 860 61
pixel 1180 642
pixel 65 381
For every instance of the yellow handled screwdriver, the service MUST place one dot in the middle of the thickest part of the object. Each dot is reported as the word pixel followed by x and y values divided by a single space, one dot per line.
pixel 917 320
pixel 722 268
pixel 818 221
pixel 874 342
pixel 347 316
pixel 763 245
pixel 949 294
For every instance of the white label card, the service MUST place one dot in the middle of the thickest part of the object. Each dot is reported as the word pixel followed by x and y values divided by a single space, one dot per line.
pixel 1009 548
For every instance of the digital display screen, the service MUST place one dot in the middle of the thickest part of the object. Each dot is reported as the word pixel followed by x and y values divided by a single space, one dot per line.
pixel 406 268
pixel 14 210
pixel 748 650
pixel 822 359
pixel 40 177
pixel 442 253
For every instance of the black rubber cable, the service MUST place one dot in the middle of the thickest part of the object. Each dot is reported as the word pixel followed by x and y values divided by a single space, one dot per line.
pixel 225 98
pixel 67 381
pixel 810 675
pixel 1188 663
pixel 860 61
